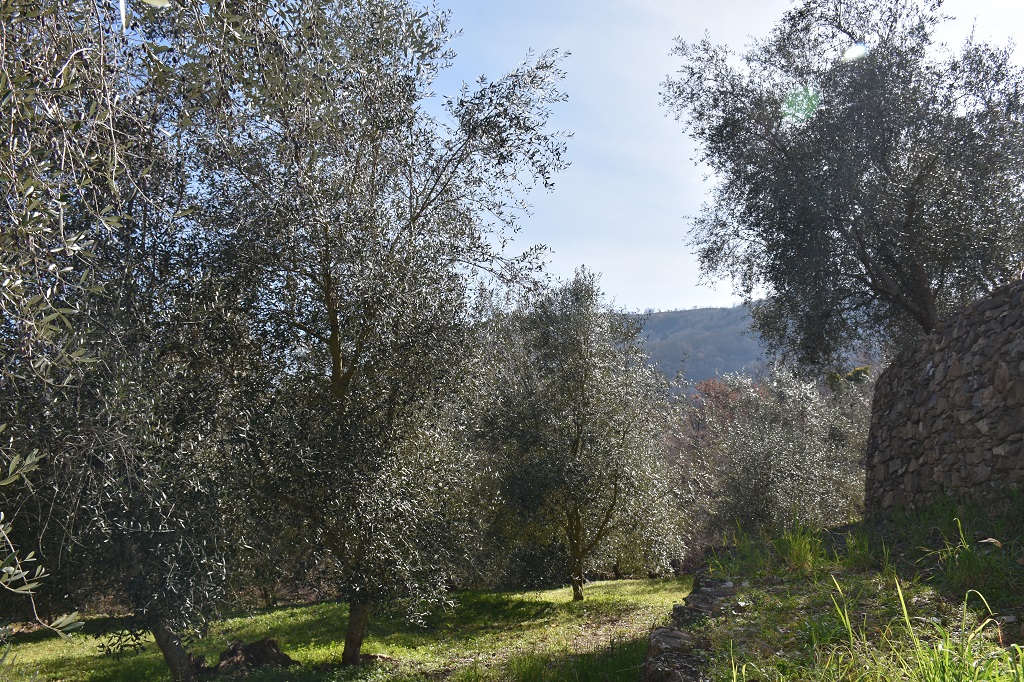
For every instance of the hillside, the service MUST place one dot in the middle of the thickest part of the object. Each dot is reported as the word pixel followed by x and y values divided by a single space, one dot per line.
pixel 704 341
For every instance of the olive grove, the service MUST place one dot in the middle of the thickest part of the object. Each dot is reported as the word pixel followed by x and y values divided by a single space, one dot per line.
pixel 237 259
pixel 762 455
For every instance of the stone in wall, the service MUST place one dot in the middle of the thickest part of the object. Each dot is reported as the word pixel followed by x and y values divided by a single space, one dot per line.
pixel 948 417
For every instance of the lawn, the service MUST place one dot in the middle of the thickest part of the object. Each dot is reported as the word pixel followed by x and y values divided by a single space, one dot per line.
pixel 482 636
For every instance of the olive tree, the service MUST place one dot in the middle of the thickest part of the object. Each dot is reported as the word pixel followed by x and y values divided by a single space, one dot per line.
pixel 869 180
pixel 132 498
pixel 352 226
pixel 113 335
pixel 575 425
pixel 67 126
pixel 61 166
pixel 284 244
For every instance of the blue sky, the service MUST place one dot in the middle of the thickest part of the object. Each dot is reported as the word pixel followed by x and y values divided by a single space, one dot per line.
pixel 621 208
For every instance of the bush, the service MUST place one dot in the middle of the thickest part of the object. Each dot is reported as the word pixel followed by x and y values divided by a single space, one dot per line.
pixel 782 451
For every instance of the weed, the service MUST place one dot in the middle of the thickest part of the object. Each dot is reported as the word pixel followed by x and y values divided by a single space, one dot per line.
pixel 965 565
pixel 887 566
pixel 744 555
pixel 887 612
pixel 801 550
pixel 856 554
pixel 1016 659
pixel 920 650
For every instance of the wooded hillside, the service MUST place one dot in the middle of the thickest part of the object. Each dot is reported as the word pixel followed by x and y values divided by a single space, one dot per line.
pixel 704 341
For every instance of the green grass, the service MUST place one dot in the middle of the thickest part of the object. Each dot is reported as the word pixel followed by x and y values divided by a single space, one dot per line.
pixel 485 636
pixel 900 600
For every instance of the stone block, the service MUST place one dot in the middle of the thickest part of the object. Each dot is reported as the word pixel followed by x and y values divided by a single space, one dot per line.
pixel 669 640
pixel 1001 378
pixel 1015 392
pixel 1006 425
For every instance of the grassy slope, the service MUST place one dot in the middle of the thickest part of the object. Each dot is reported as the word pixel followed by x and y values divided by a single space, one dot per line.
pixel 484 636
pixel 900 601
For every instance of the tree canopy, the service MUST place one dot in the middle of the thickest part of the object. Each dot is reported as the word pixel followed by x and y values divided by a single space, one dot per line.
pixel 351 226
pixel 244 217
pixel 869 180
pixel 575 428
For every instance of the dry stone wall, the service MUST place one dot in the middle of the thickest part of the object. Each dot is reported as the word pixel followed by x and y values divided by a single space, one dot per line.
pixel 948 418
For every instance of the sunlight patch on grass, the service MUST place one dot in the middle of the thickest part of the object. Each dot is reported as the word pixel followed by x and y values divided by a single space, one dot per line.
pixel 484 636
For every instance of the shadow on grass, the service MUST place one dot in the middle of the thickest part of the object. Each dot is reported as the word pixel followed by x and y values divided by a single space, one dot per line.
pixel 127 667
pixel 951 547
pixel 323 624
pixel 478 613
pixel 95 626
pixel 619 661
pixel 497 629
pixel 956 547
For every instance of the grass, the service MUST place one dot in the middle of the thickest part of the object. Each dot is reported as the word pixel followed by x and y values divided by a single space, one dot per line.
pixel 484 636
pixel 895 601
pixel 936 595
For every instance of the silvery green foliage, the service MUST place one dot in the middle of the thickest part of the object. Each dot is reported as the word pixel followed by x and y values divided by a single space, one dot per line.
pixel 782 451
pixel 277 300
pixel 868 179
pixel 128 502
pixel 351 226
pixel 61 165
pixel 71 136
pixel 573 428
pixel 20 574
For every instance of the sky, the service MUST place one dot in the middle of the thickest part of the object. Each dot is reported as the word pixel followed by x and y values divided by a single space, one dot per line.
pixel 622 207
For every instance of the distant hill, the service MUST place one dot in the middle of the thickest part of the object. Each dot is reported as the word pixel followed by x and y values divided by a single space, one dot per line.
pixel 705 341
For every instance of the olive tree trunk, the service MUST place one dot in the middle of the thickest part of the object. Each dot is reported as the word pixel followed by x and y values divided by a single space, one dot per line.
pixel 358 618
pixel 577 584
pixel 174 653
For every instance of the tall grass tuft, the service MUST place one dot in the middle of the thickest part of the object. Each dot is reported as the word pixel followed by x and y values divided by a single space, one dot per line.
pixel 745 554
pixel 800 550
pixel 857 553
pixel 965 565
pixel 920 649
